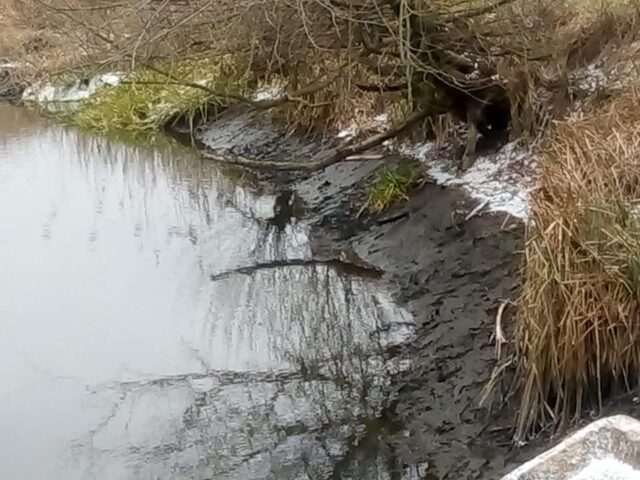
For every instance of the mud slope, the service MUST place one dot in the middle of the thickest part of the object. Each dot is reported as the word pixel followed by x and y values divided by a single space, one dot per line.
pixel 453 279
pixel 452 276
pixel 450 273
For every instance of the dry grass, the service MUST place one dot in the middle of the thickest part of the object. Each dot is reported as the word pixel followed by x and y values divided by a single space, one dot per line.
pixel 304 41
pixel 39 47
pixel 561 37
pixel 578 329
pixel 578 335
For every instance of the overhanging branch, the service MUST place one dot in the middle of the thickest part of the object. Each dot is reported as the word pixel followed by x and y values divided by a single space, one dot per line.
pixel 293 97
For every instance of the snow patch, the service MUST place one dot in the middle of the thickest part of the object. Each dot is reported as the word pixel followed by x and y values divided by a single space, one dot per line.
pixel 608 468
pixel 588 80
pixel 381 119
pixel 378 123
pixel 347 132
pixel 586 83
pixel 70 92
pixel 498 178
pixel 111 78
pixel 268 92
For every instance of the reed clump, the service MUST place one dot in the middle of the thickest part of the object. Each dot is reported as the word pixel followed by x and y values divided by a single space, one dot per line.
pixel 578 329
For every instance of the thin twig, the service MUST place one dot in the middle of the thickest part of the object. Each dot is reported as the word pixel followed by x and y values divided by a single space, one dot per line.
pixel 476 210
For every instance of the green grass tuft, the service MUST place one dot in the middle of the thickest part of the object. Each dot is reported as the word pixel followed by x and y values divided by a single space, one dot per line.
pixel 391 186
pixel 148 100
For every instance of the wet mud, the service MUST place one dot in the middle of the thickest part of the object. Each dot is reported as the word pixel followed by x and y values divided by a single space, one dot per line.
pixel 451 274
pixel 452 277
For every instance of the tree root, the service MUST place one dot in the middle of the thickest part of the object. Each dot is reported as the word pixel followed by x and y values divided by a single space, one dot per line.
pixel 348 153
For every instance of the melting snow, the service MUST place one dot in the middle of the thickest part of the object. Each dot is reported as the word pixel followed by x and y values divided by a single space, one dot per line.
pixel 381 119
pixel 347 132
pixel 268 92
pixel 588 80
pixel 377 123
pixel 498 178
pixel 73 92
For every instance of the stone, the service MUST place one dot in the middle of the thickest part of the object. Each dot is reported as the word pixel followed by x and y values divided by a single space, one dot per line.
pixel 608 449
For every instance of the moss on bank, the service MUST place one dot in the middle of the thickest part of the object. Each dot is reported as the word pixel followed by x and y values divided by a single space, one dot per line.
pixel 148 99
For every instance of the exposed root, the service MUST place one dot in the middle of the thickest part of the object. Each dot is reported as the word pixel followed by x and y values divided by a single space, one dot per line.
pixel 349 153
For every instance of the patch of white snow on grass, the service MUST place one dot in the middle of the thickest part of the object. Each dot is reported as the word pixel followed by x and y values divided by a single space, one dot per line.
pixel 268 92
pixel 347 132
pixel 588 80
pixel 111 78
pixel 70 92
pixel 375 124
pixel 498 178
pixel 381 120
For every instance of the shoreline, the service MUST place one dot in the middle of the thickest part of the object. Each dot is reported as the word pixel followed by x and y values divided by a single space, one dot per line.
pixel 450 274
pixel 520 271
pixel 446 258
pixel 452 277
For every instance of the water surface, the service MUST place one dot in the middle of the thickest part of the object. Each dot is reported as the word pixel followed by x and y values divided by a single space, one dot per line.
pixel 136 341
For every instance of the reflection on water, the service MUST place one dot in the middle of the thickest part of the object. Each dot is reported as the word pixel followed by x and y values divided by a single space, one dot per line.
pixel 124 354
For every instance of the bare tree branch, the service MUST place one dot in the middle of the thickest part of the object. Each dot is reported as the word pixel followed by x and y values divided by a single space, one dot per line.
pixel 261 104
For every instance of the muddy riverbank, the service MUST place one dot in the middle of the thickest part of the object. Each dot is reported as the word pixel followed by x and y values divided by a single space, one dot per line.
pixel 310 340
pixel 452 278
pixel 450 273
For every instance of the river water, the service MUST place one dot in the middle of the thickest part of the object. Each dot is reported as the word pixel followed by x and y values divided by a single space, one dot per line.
pixel 138 341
